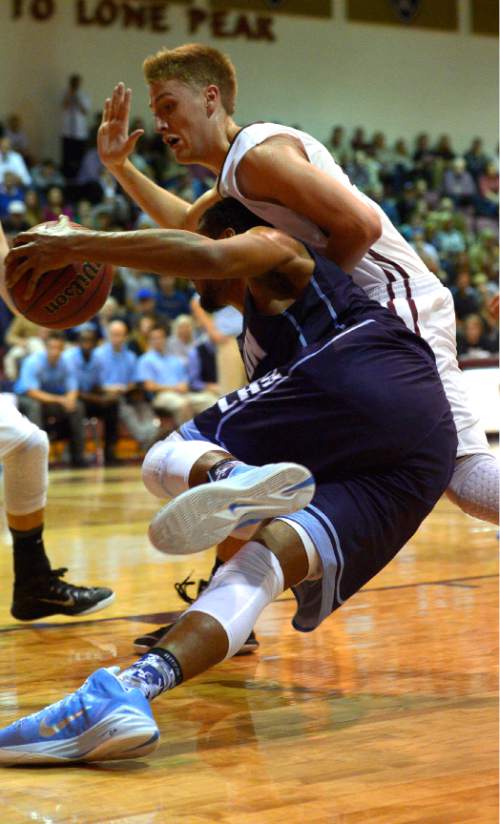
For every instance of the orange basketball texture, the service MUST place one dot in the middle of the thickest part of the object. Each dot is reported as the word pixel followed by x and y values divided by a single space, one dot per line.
pixel 64 297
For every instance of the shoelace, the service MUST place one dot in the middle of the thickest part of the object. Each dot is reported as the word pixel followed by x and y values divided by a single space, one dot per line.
pixel 181 588
pixel 60 586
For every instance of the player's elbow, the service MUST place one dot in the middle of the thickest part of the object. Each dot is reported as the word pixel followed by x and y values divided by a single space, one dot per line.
pixel 372 227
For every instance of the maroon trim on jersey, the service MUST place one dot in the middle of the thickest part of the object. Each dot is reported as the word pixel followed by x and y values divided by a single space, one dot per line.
pixel 391 279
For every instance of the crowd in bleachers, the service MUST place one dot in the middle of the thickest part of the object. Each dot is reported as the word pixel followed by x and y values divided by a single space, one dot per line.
pixel 149 359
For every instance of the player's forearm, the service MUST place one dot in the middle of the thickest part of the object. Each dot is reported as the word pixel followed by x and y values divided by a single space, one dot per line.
pixel 160 251
pixel 44 397
pixel 352 239
pixel 165 208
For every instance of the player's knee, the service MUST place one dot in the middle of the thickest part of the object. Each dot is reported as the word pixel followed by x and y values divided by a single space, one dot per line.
pixel 26 474
pixel 474 486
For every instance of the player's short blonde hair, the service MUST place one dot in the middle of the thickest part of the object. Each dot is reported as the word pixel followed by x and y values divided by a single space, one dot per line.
pixel 197 65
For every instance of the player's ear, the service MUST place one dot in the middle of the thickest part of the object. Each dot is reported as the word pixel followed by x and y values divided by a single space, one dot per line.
pixel 227 233
pixel 212 98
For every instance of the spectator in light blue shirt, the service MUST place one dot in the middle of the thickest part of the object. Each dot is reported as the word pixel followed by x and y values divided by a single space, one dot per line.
pixel 117 363
pixel 119 377
pixel 166 378
pixel 97 402
pixel 48 389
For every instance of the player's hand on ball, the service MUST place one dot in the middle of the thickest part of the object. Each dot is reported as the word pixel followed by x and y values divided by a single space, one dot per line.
pixel 114 143
pixel 38 251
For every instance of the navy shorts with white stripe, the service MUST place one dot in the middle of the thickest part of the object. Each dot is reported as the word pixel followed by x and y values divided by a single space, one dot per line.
pixel 365 411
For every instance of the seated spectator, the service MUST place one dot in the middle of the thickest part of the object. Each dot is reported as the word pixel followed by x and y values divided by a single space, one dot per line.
pixel 458 183
pixel 33 207
pixel 465 297
pixel 488 192
pixel 181 341
pixel 443 148
pixel 223 328
pixel 202 372
pixel 47 389
pixel 337 144
pixel 17 136
pixel 87 185
pixel 171 300
pixel 23 337
pixel 114 200
pixel 55 206
pixel 425 250
pixel 473 342
pixel 13 162
pixel 358 141
pixel 97 402
pixel 119 378
pixel 138 341
pixel 476 159
pixel 46 175
pixel 9 191
pixel 83 214
pixel 144 304
pixel 15 222
pixel 134 281
pixel 449 239
pixel 166 378
pixel 361 170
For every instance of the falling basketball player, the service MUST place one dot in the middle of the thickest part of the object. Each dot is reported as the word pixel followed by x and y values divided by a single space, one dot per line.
pixel 39 591
pixel 335 452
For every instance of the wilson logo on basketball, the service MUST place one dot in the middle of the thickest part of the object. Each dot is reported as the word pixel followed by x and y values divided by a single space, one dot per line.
pixel 75 288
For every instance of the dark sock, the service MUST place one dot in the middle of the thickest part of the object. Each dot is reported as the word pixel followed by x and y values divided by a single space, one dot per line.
pixel 30 560
pixel 223 469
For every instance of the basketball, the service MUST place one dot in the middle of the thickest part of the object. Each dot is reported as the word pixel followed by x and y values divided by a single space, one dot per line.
pixel 64 297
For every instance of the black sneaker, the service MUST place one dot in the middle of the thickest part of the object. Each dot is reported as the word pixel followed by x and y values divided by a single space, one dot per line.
pixel 49 595
pixel 145 642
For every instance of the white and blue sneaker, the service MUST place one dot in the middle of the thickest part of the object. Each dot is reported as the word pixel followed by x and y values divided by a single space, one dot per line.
pixel 207 514
pixel 101 721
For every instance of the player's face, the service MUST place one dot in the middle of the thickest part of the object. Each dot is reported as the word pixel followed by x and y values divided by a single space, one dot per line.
pixel 54 350
pixel 180 113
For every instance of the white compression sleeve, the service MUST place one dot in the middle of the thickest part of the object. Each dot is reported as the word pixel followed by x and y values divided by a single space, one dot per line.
pixel 239 591
pixel 26 475
pixel 166 467
pixel 475 486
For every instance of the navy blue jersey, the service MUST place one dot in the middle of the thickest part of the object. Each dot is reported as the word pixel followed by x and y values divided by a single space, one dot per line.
pixel 330 303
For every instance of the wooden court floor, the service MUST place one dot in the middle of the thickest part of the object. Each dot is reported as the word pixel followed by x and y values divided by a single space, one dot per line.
pixel 387 714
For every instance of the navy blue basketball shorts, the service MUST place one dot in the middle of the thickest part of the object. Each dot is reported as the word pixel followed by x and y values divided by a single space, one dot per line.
pixel 367 414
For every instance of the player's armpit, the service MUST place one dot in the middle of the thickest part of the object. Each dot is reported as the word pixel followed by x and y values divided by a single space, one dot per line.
pixel 4 250
pixel 279 173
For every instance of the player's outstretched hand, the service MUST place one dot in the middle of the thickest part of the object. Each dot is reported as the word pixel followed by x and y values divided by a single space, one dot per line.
pixel 39 251
pixel 114 143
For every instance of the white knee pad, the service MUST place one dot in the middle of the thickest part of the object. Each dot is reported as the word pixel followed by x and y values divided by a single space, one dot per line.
pixel 239 591
pixel 166 467
pixel 26 475
pixel 475 486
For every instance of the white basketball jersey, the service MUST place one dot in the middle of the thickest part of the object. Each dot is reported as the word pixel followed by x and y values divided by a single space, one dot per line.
pixel 390 260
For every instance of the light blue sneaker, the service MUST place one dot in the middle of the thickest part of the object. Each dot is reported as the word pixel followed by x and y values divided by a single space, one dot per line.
pixel 101 721
pixel 206 514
